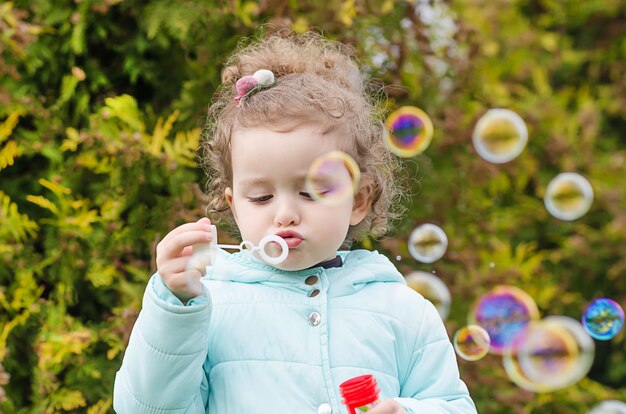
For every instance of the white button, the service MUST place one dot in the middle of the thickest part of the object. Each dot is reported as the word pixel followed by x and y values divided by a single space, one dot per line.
pixel 324 409
pixel 315 318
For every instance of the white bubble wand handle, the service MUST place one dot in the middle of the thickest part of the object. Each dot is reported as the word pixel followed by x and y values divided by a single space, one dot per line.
pixel 209 250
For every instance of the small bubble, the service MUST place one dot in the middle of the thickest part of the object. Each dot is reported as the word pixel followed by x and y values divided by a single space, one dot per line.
pixel 603 319
pixel 408 131
pixel 568 196
pixel 471 342
pixel 427 243
pixel 398 258
pixel 500 136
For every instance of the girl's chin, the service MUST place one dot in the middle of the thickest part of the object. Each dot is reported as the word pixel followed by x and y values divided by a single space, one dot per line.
pixel 291 266
pixel 293 263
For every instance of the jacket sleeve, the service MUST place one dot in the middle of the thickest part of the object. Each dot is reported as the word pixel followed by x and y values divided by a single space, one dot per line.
pixel 432 383
pixel 162 370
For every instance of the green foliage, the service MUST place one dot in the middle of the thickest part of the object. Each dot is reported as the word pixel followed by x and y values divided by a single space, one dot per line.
pixel 100 107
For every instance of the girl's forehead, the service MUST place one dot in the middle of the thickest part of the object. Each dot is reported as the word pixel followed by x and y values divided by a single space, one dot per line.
pixel 262 153
pixel 302 140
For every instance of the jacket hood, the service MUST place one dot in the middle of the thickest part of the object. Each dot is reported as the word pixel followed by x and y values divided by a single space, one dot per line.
pixel 360 267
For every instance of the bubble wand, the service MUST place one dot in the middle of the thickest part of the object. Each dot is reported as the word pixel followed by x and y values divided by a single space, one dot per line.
pixel 206 253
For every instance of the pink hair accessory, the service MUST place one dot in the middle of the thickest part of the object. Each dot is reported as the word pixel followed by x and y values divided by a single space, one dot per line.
pixel 249 84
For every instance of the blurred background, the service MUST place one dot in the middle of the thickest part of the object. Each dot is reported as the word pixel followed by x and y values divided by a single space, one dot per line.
pixel 101 111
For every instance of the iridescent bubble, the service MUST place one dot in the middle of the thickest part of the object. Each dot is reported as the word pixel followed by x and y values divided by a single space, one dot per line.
pixel 603 319
pixel 609 407
pixel 433 289
pixel 568 196
pixel 427 243
pixel 333 178
pixel 471 342
pixel 504 312
pixel 409 131
pixel 500 135
pixel 550 354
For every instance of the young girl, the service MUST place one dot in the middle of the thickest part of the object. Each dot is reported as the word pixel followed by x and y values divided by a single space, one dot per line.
pixel 245 337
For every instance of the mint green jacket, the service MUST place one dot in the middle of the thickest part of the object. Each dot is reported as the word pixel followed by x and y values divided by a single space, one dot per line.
pixel 261 340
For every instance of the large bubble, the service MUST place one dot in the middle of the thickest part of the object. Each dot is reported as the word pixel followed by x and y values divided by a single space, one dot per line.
pixel 433 289
pixel 569 196
pixel 603 319
pixel 427 243
pixel 500 135
pixel 471 342
pixel 550 354
pixel 504 312
pixel 409 131
pixel 333 178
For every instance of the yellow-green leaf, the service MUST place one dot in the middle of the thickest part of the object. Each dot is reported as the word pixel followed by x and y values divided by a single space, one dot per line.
pixel 8 154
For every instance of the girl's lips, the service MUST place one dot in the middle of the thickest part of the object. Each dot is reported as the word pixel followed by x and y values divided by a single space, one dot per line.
pixel 292 242
pixel 292 238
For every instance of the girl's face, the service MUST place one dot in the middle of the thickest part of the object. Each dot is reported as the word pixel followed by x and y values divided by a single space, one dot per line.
pixel 268 194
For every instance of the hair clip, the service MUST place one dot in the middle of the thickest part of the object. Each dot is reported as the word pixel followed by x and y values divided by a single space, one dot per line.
pixel 250 84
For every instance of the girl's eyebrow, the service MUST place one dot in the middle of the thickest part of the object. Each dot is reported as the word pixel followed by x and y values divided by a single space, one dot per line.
pixel 250 182
pixel 253 181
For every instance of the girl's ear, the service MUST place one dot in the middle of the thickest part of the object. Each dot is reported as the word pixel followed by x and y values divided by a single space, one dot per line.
pixel 228 194
pixel 362 201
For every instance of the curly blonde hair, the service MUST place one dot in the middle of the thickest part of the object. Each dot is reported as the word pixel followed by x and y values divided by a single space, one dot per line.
pixel 316 80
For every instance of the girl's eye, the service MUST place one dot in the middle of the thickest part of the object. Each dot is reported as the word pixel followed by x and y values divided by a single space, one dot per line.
pixel 320 194
pixel 261 199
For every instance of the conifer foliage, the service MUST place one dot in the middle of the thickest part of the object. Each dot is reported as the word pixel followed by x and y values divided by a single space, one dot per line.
pixel 101 113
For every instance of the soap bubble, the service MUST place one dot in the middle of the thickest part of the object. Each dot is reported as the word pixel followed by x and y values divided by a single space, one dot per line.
pixel 603 319
pixel 427 243
pixel 433 289
pixel 550 354
pixel 333 178
pixel 409 131
pixel 500 135
pixel 504 312
pixel 609 407
pixel 471 342
pixel 568 196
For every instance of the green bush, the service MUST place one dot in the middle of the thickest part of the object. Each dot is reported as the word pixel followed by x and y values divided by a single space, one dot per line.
pixel 101 110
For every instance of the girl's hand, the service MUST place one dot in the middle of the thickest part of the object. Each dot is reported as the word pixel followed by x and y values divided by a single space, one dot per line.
pixel 388 406
pixel 181 275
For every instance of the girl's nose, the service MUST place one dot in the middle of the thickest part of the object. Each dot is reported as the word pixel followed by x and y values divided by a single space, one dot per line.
pixel 287 213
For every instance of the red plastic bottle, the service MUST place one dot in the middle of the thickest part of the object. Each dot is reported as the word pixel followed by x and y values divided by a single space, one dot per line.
pixel 360 394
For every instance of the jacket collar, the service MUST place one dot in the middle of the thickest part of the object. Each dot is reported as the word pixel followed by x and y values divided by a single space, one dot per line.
pixel 360 267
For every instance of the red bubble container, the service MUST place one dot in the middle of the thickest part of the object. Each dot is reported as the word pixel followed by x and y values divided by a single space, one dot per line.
pixel 360 394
